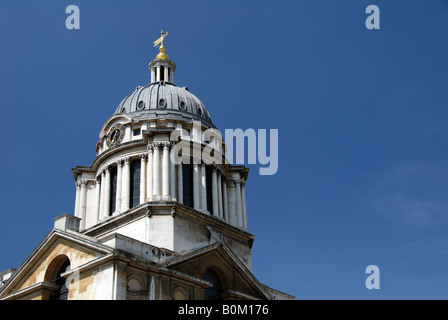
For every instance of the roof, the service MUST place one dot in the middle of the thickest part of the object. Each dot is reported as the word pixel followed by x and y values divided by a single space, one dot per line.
pixel 166 100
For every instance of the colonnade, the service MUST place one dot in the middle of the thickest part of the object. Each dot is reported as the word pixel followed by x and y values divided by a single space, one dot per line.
pixel 162 180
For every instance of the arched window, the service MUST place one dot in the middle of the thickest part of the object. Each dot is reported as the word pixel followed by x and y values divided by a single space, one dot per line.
pixel 214 292
pixel 187 184
pixel 113 190
pixel 209 191
pixel 62 292
pixel 135 182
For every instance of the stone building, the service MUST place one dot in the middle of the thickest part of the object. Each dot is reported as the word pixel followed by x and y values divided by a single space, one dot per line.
pixel 152 220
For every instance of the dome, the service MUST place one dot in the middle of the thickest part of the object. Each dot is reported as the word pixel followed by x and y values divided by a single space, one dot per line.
pixel 164 100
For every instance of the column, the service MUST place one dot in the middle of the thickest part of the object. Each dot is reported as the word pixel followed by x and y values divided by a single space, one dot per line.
pixel 172 176
pixel 156 172
pixel 106 209
pixel 165 73
pixel 203 189
pixel 166 172
pixel 97 200
pixel 77 197
pixel 126 184
pixel 149 174
pixel 180 186
pixel 220 212
pixel 142 178
pixel 103 192
pixel 83 204
pixel 158 73
pixel 119 185
pixel 231 202
pixel 239 211
pixel 243 203
pixel 215 192
pixel 196 188
pixel 224 201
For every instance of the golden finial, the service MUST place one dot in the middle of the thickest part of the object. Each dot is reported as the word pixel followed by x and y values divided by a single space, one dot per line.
pixel 159 41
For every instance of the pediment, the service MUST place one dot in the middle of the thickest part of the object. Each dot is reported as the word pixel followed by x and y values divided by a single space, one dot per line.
pixel 237 280
pixel 120 118
pixel 40 265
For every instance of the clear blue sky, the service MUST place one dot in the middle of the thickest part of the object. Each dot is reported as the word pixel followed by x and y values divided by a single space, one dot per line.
pixel 362 118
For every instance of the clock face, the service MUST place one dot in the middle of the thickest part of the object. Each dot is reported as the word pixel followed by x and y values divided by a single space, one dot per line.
pixel 115 135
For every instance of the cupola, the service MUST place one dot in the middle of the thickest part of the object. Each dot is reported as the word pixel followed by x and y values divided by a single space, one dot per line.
pixel 162 68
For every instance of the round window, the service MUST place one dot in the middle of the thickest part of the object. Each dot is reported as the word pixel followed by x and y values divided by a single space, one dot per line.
pixel 162 103
pixel 141 105
pixel 183 106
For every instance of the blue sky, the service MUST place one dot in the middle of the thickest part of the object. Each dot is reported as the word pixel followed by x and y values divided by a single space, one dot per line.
pixel 362 118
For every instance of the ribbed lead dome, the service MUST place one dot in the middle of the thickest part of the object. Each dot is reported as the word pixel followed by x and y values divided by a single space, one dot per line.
pixel 164 100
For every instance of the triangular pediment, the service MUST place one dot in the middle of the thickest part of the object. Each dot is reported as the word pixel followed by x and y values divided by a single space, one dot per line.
pixel 36 271
pixel 237 280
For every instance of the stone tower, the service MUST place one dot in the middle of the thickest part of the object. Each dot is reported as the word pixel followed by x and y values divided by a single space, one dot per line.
pixel 159 214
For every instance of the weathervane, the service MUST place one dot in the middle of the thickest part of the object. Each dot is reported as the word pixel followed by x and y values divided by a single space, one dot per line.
pixel 160 40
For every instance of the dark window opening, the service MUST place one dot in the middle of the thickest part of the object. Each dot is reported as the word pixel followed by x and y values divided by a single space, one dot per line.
pixel 141 105
pixel 214 292
pixel 162 73
pixel 113 190
pixel 137 132
pixel 183 106
pixel 208 185
pixel 62 292
pixel 162 103
pixel 135 182
pixel 187 184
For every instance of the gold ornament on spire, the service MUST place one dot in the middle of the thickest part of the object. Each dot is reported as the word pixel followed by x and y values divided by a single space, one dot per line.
pixel 159 41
